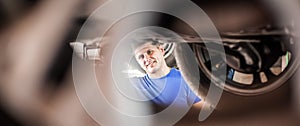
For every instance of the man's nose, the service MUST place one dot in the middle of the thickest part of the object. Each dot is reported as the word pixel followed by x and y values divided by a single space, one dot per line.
pixel 146 56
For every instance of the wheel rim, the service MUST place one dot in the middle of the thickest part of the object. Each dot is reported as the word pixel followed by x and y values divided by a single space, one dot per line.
pixel 244 82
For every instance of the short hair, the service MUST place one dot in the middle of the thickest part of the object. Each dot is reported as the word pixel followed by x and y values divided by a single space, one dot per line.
pixel 139 42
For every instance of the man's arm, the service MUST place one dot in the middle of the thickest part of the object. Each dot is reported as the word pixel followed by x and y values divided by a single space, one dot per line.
pixel 198 105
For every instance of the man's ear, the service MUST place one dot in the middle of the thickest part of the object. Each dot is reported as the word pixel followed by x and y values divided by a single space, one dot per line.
pixel 161 49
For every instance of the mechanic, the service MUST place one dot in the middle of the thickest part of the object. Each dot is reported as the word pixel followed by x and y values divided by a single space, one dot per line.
pixel 162 85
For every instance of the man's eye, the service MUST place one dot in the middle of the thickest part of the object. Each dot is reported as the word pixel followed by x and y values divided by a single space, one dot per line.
pixel 149 52
pixel 141 57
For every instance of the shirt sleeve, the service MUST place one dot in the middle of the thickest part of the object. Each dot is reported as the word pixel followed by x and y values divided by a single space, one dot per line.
pixel 191 96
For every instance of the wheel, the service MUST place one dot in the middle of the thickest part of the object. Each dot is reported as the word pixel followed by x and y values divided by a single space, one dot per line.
pixel 252 68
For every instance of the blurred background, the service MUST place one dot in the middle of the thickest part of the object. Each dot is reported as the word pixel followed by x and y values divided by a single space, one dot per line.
pixel 36 83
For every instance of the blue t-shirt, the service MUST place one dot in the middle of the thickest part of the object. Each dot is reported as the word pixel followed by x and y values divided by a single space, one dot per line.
pixel 166 90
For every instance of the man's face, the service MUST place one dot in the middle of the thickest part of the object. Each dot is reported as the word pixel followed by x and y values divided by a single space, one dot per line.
pixel 150 57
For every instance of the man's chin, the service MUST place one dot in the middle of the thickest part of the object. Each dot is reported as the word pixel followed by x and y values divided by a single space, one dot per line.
pixel 150 70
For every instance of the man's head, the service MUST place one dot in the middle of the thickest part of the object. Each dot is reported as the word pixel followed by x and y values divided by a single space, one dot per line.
pixel 150 56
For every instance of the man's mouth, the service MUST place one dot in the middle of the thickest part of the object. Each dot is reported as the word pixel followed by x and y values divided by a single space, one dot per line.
pixel 150 64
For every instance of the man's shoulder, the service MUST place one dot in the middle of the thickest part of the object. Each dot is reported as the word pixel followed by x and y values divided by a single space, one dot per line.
pixel 175 72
